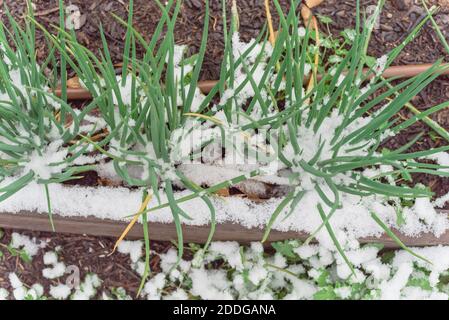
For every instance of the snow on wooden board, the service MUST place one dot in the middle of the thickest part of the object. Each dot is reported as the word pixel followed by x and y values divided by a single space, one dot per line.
pixel 106 210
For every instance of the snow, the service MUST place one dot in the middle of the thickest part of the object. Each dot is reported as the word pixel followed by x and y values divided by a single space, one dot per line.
pixel 19 291
pixel 340 80
pixel 325 257
pixel 133 248
pixel 306 251
pixel 56 271
pixel 139 267
pixel 43 165
pixel 343 292
pixel 57 268
pixel 31 199
pixel 441 158
pixel 343 271
pixel 361 256
pixel 168 260
pixel 391 289
pixel 154 286
pixel 238 49
pixel 50 257
pixel 279 260
pixel 3 294
pixel 441 201
pixel 439 256
pixel 257 248
pixel 60 291
pixel 14 280
pixel 229 251
pixel 35 292
pixel 210 284
pixel 248 274
pixel 88 288
pixel 30 246
pixel 178 294
pixel 198 98
pixel 257 274
pixel 425 210
pixel 302 289
pixel 38 289
pixel 380 65
pixel 227 94
pixel 416 293
pixel 358 278
pixel 124 91
pixel 118 203
pixel 377 269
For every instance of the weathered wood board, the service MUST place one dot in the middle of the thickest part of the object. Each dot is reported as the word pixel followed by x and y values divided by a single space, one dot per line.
pixel 167 232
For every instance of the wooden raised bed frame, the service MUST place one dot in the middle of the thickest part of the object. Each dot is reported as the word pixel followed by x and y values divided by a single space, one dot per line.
pixel 198 234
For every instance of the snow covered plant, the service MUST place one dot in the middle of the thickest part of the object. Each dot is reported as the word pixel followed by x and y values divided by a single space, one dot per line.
pixel 316 139
pixel 142 107
pixel 329 135
pixel 36 127
pixel 297 272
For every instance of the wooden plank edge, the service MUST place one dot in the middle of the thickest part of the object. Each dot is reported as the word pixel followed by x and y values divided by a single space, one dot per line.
pixel 198 234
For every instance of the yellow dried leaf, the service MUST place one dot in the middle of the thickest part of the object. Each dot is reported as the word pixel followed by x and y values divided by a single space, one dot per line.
pixel 313 3
pixel 223 192
pixel 73 83
pixel 272 37
pixel 133 221
pixel 306 14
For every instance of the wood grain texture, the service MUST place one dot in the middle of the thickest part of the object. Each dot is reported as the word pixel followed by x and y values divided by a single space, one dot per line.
pixel 167 232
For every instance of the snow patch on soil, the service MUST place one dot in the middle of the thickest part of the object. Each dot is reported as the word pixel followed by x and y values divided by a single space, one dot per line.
pixel 29 245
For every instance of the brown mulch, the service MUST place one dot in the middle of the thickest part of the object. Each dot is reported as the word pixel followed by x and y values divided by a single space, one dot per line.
pixel 398 18
pixel 90 254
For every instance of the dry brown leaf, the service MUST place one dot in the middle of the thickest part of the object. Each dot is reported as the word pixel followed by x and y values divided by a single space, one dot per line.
pixel 74 20
pixel 253 189
pixel 306 13
pixel 223 192
pixel 104 182
pixel 99 136
pixel 317 55
pixel 73 83
pixel 313 3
